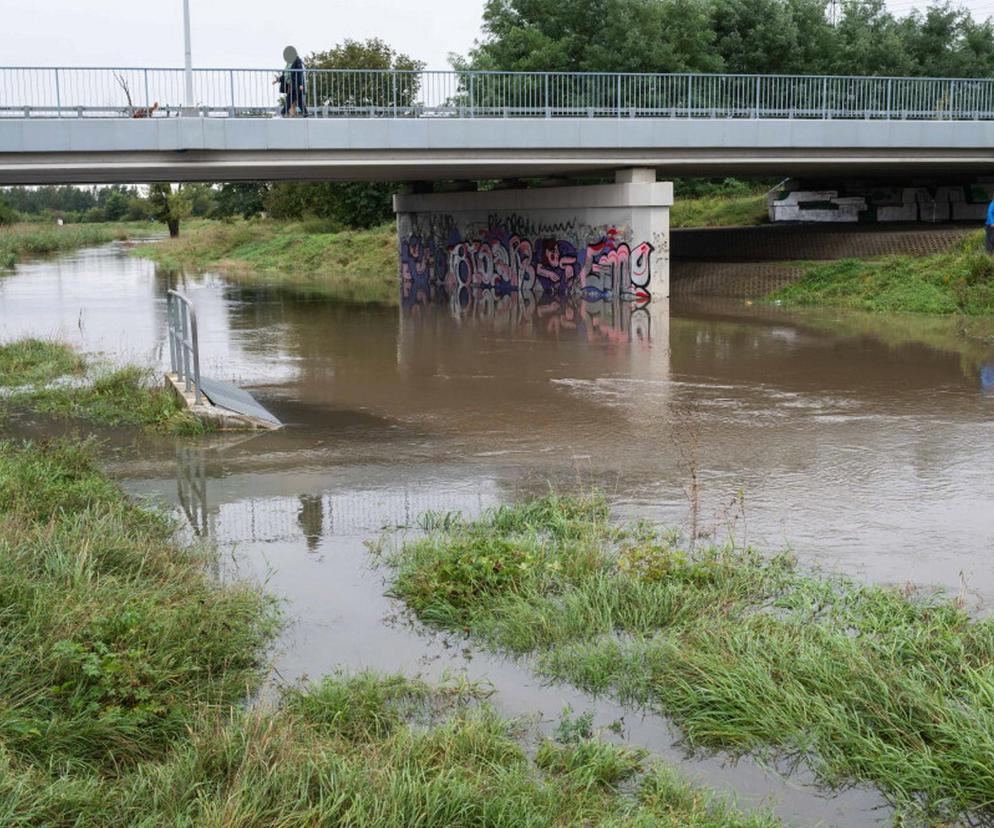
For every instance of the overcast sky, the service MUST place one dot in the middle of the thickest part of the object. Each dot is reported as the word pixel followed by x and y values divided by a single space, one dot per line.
pixel 243 33
pixel 226 33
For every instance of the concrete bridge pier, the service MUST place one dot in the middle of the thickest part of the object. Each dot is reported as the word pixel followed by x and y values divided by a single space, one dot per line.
pixel 604 239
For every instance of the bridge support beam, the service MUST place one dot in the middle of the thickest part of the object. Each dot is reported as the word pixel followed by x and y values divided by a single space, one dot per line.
pixel 603 240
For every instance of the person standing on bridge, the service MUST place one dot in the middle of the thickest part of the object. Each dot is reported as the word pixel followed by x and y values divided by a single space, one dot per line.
pixel 989 241
pixel 291 83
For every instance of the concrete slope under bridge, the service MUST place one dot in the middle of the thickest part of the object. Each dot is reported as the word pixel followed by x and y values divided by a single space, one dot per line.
pixel 106 150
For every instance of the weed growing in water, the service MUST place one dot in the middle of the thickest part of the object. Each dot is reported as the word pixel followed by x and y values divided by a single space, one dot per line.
pixel 744 652
pixel 36 361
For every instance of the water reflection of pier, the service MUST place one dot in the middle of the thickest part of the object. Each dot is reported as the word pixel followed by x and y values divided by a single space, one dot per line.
pixel 590 317
pixel 309 517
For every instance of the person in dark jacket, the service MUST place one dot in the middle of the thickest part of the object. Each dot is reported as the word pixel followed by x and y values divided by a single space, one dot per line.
pixel 292 85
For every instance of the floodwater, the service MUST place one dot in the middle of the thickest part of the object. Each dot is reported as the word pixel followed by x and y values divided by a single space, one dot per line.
pixel 864 445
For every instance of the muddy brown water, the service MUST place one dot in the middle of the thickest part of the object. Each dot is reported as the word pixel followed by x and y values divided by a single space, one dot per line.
pixel 864 445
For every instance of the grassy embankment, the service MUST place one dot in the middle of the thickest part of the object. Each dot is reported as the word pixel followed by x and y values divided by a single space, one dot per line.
pixel 746 654
pixel 352 266
pixel 52 378
pixel 720 211
pixel 959 281
pixel 124 668
pixel 22 241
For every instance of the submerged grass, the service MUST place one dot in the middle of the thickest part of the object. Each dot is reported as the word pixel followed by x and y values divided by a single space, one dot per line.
pixel 867 683
pixel 351 266
pixel 124 667
pixel 958 281
pixel 33 361
pixel 126 396
pixel 22 241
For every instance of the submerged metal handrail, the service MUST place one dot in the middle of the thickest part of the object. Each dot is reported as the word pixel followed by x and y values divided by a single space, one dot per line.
pixel 29 92
pixel 184 345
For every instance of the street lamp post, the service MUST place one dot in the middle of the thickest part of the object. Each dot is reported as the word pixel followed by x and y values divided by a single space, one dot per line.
pixel 189 103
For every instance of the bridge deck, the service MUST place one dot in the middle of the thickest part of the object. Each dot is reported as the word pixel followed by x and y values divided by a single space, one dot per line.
pixel 231 149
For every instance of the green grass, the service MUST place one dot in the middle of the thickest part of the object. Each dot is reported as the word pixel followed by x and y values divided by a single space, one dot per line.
pixel 959 281
pixel 869 684
pixel 124 671
pixel 352 266
pixel 126 396
pixel 113 637
pixel 22 241
pixel 33 361
pixel 720 211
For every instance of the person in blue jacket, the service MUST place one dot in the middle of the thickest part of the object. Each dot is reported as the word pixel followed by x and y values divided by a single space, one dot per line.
pixel 989 241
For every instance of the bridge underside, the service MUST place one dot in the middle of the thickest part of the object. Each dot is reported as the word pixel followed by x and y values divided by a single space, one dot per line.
pixel 404 165
pixel 45 151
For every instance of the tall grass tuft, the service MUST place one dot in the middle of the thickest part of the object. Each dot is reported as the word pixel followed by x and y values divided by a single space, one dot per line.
pixel 36 361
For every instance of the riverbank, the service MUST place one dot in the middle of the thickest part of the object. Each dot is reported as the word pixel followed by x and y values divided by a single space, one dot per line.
pixel 126 668
pixel 52 378
pixel 349 266
pixel 958 281
pixel 744 652
pixel 23 241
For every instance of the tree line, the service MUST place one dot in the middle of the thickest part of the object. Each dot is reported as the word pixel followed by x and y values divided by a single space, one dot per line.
pixel 848 37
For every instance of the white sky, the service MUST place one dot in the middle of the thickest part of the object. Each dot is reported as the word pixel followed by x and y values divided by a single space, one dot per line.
pixel 226 33
pixel 245 33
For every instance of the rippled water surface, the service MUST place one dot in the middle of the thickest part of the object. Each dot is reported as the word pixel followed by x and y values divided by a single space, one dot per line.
pixel 847 439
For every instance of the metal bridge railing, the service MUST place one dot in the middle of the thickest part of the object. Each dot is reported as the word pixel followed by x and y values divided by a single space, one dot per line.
pixel 184 346
pixel 147 92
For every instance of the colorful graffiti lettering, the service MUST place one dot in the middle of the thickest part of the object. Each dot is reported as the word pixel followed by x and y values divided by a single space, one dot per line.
pixel 503 261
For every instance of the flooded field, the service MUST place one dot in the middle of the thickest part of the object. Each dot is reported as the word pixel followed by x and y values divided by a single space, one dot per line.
pixel 864 445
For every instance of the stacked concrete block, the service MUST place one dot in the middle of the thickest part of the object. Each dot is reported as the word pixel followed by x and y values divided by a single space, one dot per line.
pixel 792 207
pixel 898 212
pixel 966 203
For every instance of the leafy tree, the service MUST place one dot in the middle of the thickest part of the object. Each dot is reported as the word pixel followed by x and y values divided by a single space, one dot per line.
pixel 762 36
pixel 7 213
pixel 870 41
pixel 366 90
pixel 115 206
pixel 772 36
pixel 352 204
pixel 169 206
pixel 201 199
pixel 246 199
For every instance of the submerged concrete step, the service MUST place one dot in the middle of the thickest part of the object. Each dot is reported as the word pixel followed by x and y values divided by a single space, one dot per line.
pixel 226 406
pixel 236 399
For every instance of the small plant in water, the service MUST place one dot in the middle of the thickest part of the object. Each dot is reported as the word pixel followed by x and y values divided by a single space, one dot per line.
pixel 573 729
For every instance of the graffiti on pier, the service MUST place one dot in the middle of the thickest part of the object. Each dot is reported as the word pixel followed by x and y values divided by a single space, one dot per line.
pixel 558 259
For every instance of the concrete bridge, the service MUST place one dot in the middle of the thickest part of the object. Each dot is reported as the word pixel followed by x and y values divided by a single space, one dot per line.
pixel 61 125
